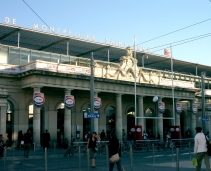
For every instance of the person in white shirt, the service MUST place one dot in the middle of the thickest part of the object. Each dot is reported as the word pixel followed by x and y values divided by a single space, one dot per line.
pixel 200 148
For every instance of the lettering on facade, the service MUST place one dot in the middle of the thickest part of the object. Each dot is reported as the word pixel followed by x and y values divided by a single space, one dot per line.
pixel 69 33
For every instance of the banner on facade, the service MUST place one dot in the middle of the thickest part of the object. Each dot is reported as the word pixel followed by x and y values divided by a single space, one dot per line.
pixel 38 99
pixel 69 101
pixel 194 108
pixel 97 103
pixel 161 107
pixel 179 108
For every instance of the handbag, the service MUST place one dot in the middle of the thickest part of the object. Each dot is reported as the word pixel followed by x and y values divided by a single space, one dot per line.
pixel 194 160
pixel 115 158
pixel 208 146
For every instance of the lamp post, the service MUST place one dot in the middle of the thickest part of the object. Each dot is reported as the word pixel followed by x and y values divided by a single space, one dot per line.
pixel 92 91
pixel 203 101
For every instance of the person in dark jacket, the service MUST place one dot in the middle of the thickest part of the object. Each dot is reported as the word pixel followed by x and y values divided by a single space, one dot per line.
pixel 27 143
pixel 46 139
pixel 20 138
pixel 114 147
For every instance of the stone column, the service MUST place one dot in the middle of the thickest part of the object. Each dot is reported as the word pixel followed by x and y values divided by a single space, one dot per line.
pixel 118 116
pixel 67 119
pixel 160 121
pixel 3 111
pixel 140 113
pixel 96 119
pixel 193 120
pixel 36 122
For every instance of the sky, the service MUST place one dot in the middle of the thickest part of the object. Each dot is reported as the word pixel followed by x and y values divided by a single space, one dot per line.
pixel 146 20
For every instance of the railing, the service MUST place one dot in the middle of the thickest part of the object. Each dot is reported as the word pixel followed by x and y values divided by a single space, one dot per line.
pixel 53 158
pixel 22 57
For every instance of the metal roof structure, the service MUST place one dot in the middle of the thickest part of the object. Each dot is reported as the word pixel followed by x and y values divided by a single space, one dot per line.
pixel 55 43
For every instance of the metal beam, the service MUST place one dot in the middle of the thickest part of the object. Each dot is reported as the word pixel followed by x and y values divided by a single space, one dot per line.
pixel 8 34
pixel 88 52
pixel 54 43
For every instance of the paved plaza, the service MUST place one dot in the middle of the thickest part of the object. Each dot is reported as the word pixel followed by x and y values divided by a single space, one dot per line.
pixel 142 161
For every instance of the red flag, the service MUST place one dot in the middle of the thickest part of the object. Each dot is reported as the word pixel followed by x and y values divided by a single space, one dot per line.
pixel 167 52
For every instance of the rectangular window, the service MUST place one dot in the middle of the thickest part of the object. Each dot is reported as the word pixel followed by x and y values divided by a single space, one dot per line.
pixel 35 56
pixel 3 55
pixel 55 58
pixel 14 56
pixel 25 57
pixel 65 59
pixel 46 57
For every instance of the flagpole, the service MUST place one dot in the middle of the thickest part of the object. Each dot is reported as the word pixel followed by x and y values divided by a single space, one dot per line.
pixel 135 75
pixel 172 85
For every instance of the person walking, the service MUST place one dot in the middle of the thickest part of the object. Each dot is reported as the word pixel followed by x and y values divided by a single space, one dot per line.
pixel 114 147
pixel 20 138
pixel 102 135
pixel 91 145
pixel 200 148
pixel 2 145
pixel 46 139
pixel 27 143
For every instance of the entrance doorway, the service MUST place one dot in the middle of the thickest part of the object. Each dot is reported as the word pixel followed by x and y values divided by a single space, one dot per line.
pixel 60 125
pixel 9 124
pixel 130 120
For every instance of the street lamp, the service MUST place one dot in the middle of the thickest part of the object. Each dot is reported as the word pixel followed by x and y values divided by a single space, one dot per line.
pixel 144 56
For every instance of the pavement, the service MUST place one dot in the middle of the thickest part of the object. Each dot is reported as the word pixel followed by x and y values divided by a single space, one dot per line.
pixel 55 161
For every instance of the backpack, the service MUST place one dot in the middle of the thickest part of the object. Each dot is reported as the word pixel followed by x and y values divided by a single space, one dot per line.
pixel 208 146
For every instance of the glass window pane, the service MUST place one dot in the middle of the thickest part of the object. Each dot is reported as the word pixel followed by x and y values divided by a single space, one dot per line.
pixel 46 57
pixel 3 54
pixel 65 59
pixel 74 61
pixel 35 56
pixel 14 56
pixel 55 58
pixel 25 57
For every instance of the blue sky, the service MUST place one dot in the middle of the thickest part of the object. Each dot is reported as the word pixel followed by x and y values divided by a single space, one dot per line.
pixel 122 20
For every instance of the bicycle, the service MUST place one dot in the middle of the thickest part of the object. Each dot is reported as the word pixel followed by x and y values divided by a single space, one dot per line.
pixel 101 148
pixel 71 151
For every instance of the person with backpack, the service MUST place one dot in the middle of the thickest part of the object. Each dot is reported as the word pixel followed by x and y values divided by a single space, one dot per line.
pixel 200 148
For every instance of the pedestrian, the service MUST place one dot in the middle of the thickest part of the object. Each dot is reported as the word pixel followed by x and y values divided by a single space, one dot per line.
pixel 145 136
pixel 46 139
pixel 2 145
pixel 114 148
pixel 188 133
pixel 102 135
pixel 112 125
pixel 91 145
pixel 207 134
pixel 87 135
pixel 123 135
pixel 27 143
pixel 200 148
pixel 20 138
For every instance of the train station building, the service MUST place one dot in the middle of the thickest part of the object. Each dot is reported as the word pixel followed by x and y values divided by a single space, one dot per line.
pixel 45 84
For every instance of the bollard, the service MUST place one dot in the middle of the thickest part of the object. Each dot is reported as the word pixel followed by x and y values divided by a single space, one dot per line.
pixel 172 155
pixel 46 164
pixel 131 158
pixel 79 158
pixel 153 154
pixel 5 156
pixel 54 147
pixel 189 150
pixel 34 146
pixel 107 157
pixel 177 159
pixel 88 166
